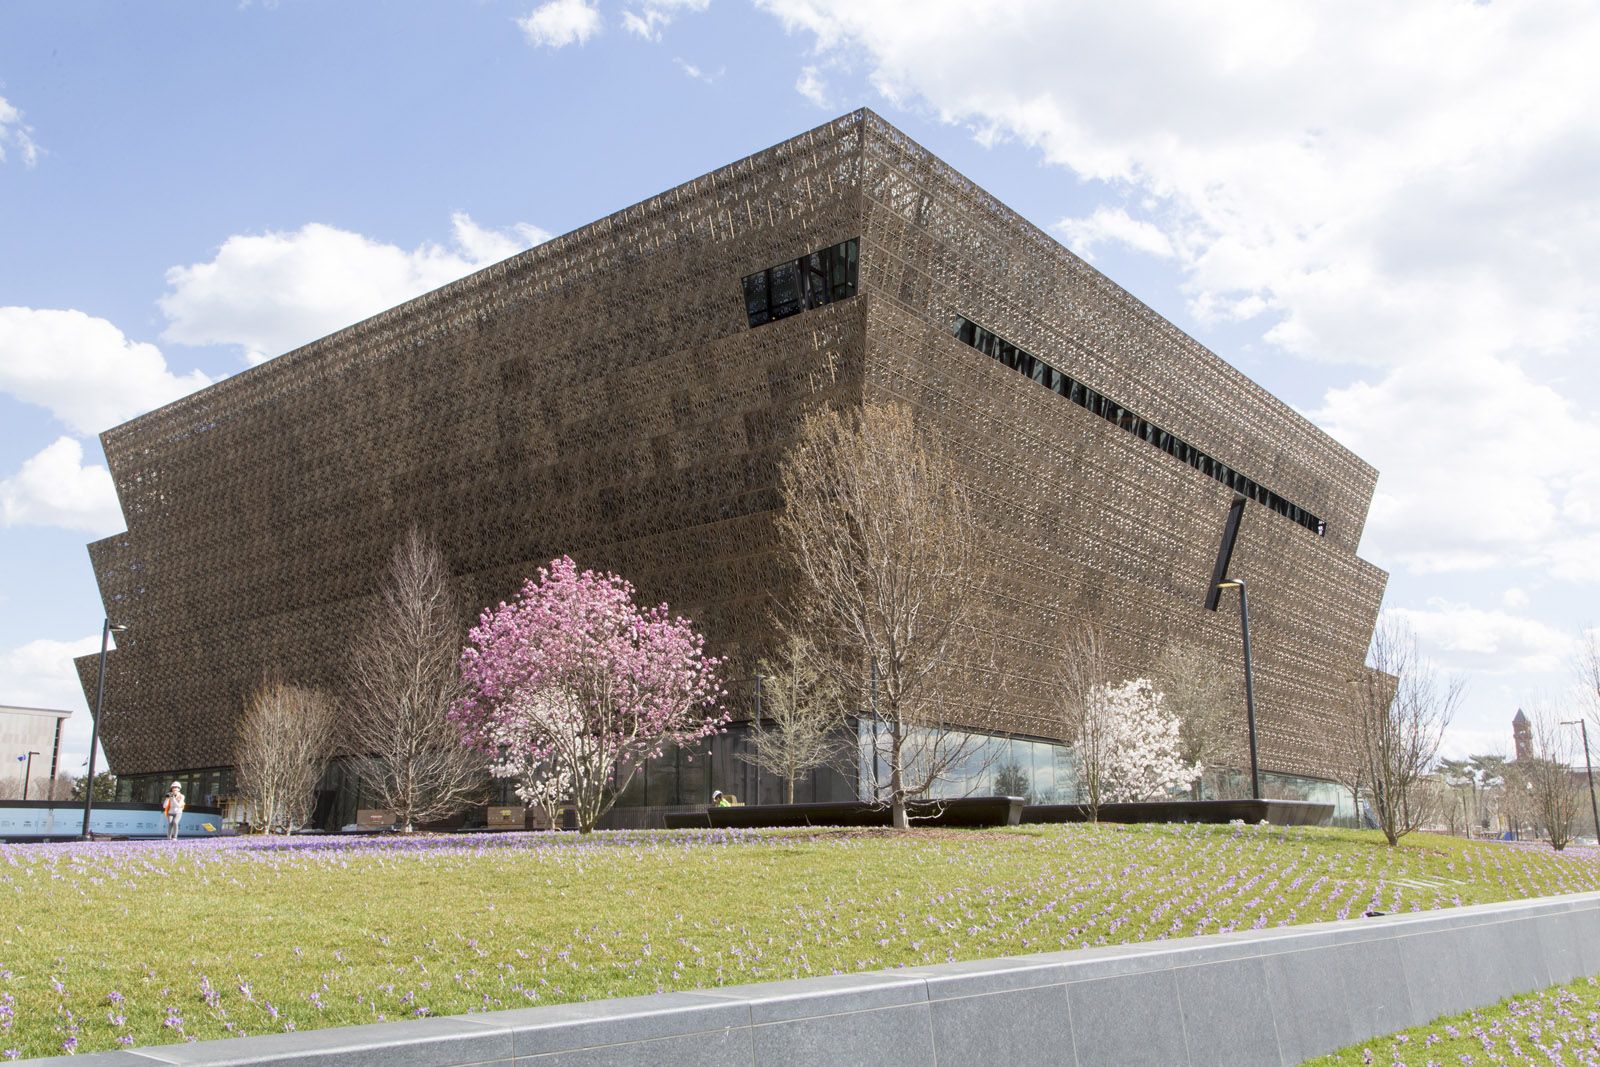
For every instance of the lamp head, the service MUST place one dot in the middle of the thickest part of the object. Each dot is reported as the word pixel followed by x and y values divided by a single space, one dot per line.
pixel 119 627
pixel 1230 583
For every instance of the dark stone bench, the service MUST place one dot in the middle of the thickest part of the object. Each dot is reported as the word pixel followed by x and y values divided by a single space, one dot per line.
pixel 964 811
pixel 1276 812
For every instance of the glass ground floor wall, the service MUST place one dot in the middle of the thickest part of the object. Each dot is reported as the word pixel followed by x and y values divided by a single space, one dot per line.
pixel 965 764
pixel 1046 772
pixel 209 787
pixel 1039 770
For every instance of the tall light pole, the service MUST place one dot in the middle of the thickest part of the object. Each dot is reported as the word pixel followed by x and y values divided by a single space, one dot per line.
pixel 94 729
pixel 27 772
pixel 1249 681
pixel 1589 767
pixel 877 789
pixel 755 793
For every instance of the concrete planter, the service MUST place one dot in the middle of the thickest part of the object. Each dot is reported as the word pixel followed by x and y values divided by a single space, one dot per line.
pixel 966 811
pixel 1276 812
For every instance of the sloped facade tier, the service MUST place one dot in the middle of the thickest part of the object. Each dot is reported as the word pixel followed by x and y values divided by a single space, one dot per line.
pixel 607 395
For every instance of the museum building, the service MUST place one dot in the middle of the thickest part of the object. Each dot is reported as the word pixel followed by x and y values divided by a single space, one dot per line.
pixel 625 394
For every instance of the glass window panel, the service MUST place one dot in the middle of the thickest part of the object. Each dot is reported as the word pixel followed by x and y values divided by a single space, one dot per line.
pixel 785 288
pixel 1044 774
pixel 755 298
pixel 693 785
pixel 1014 775
pixel 633 796
pixel 816 279
pixel 661 785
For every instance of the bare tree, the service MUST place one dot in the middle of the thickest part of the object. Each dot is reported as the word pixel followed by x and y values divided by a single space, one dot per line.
pixel 403 680
pixel 283 745
pixel 1553 792
pixel 801 714
pixel 1085 670
pixel 1400 707
pixel 885 544
pixel 1586 671
pixel 1208 705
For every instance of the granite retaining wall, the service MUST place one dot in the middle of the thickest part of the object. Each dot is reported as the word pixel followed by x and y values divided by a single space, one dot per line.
pixel 1267 997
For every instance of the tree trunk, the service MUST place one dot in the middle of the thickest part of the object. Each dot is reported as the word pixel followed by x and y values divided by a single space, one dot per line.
pixel 789 792
pixel 897 797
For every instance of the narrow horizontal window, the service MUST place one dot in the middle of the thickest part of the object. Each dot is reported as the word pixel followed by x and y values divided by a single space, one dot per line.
pixel 1064 385
pixel 818 278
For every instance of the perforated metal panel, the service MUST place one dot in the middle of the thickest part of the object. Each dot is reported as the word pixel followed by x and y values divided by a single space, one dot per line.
pixel 604 395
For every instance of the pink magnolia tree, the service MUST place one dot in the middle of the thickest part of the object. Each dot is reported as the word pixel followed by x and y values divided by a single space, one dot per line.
pixel 572 686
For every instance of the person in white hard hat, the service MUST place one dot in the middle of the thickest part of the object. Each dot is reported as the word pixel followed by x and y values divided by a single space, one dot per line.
pixel 172 808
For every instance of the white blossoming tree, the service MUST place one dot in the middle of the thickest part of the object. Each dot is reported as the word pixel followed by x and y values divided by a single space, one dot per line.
pixel 1129 745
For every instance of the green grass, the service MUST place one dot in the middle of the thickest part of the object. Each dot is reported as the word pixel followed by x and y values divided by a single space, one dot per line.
pixel 216 938
pixel 1559 1025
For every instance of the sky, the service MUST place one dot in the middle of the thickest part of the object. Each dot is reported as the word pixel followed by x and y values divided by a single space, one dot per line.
pixel 1386 214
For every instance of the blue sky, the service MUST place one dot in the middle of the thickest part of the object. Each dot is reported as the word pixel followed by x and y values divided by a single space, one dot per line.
pixel 1387 217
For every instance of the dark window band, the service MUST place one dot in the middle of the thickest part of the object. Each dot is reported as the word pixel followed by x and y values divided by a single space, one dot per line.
pixel 824 276
pixel 1031 366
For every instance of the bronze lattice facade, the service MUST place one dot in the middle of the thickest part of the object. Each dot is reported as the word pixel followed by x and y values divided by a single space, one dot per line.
pixel 605 395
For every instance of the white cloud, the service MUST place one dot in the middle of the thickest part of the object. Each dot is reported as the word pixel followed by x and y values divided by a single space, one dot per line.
pixel 83 370
pixel 1114 224
pixel 14 134
pixel 651 17
pixel 40 674
pixel 481 246
pixel 1481 467
pixel 560 23
pixel 272 292
pixel 1515 598
pixel 698 74
pixel 811 86
pixel 1406 190
pixel 55 488
pixel 1331 159
pixel 1485 736
pixel 1474 640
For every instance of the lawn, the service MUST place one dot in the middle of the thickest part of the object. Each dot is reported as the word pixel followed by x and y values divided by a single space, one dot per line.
pixel 119 944
pixel 1559 1025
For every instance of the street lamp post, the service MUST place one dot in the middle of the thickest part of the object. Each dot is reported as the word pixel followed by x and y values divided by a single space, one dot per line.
pixel 1588 766
pixel 94 729
pixel 1249 681
pixel 27 772
pixel 754 795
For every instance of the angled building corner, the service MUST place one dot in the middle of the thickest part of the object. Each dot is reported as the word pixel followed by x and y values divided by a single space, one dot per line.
pixel 624 393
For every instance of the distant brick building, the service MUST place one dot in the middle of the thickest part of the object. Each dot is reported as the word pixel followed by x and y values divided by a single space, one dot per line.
pixel 625 393
pixel 1522 735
